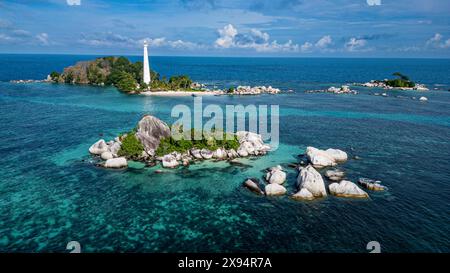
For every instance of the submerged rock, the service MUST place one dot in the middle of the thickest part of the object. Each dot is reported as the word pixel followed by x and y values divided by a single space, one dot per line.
pixel 335 175
pixel 99 147
pixel 274 190
pixel 120 162
pixel 150 131
pixel 347 189
pixel 252 184
pixel 370 184
pixel 311 180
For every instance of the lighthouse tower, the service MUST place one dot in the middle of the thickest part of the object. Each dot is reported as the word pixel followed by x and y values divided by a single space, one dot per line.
pixel 147 78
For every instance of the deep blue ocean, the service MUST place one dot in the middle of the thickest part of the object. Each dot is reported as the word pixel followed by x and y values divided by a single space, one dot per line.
pixel 51 192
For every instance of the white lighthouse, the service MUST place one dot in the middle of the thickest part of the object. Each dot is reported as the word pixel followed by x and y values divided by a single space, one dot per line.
pixel 147 78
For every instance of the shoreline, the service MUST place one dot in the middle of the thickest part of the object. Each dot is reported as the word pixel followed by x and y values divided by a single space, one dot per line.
pixel 172 93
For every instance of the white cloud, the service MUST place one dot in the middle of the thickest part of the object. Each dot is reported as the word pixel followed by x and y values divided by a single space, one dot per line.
pixel 437 41
pixel 227 34
pixel 355 44
pixel 43 38
pixel 306 47
pixel 73 2
pixel 5 38
pixel 373 2
pixel 324 42
pixel 229 37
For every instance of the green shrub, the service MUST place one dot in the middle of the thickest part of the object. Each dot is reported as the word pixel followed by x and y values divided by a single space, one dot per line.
pixel 54 76
pixel 169 145
pixel 131 146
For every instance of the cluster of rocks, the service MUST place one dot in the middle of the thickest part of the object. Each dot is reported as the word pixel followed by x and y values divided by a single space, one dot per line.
pixel 310 183
pixel 151 130
pixel 275 178
pixel 345 89
pixel 108 151
pixel 256 90
pixel 383 85
pixel 250 144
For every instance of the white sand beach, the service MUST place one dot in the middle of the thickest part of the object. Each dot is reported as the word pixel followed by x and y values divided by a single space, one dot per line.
pixel 181 93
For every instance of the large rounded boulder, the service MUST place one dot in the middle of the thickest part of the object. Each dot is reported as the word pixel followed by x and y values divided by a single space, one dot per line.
pixel 150 131
pixel 311 180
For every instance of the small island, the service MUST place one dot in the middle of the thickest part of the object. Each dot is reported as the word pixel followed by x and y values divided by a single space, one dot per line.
pixel 402 82
pixel 123 74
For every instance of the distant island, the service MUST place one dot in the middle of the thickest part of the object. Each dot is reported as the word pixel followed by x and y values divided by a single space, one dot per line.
pixel 121 73
pixel 402 82
pixel 128 77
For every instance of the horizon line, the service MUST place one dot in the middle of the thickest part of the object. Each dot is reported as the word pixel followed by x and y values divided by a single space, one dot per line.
pixel 234 56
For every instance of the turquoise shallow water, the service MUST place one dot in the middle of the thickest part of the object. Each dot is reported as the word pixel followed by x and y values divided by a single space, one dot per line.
pixel 52 193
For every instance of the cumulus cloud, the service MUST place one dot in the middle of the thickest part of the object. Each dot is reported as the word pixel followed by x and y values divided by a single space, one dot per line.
pixel 324 42
pixel 229 37
pixel 306 47
pixel 73 2
pixel 437 41
pixel 355 44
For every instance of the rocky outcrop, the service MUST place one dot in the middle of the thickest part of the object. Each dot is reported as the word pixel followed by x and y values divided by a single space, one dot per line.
pixel 251 144
pixel 274 190
pixel 311 180
pixel 150 131
pixel 347 189
pixel 256 90
pixel 99 147
pixel 320 158
pixel 276 175
pixel 116 163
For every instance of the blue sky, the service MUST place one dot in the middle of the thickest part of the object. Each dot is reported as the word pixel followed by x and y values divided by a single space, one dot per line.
pixel 299 28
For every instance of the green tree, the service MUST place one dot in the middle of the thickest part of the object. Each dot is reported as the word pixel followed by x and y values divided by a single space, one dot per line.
pixel 126 82
pixel 54 76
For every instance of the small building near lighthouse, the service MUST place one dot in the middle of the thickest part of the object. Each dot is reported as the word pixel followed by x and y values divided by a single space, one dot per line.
pixel 147 78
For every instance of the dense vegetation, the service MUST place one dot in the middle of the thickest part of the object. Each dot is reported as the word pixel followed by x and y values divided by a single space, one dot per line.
pixel 169 145
pixel 131 146
pixel 120 72
pixel 401 81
